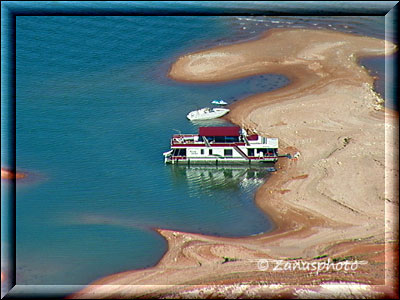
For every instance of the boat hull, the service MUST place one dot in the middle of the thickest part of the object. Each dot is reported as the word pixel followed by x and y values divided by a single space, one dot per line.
pixel 216 113
pixel 220 161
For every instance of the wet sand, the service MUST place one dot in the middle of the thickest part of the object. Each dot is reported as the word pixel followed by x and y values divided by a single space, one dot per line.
pixel 338 199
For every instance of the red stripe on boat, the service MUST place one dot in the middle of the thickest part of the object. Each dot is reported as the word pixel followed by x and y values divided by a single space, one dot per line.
pixel 253 137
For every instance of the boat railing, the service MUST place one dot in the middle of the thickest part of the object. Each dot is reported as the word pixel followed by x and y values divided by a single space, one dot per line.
pixel 206 142
pixel 193 139
pixel 246 140
pixel 184 139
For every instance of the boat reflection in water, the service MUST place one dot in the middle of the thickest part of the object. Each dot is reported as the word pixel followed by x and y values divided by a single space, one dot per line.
pixel 222 197
pixel 206 179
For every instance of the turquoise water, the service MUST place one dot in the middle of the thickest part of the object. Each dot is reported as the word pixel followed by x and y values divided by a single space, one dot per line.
pixel 94 114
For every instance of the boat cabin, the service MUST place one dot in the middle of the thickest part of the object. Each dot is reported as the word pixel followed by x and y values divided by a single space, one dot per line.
pixel 214 145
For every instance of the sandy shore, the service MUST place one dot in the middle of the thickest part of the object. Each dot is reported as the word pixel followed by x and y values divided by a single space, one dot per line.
pixel 338 200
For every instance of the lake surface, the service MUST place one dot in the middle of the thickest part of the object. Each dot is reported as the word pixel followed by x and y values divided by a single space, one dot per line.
pixel 95 112
pixel 93 119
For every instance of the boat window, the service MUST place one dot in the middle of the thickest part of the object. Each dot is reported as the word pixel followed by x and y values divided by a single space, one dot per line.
pixel 224 139
pixel 263 151
pixel 179 152
pixel 232 139
pixel 271 151
pixel 202 151
pixel 210 152
pixel 250 152
pixel 183 152
pixel 227 152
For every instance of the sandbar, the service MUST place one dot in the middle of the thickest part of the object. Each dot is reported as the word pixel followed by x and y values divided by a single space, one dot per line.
pixel 337 200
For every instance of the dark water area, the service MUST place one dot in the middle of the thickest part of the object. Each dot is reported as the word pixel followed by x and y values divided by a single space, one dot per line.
pixel 384 85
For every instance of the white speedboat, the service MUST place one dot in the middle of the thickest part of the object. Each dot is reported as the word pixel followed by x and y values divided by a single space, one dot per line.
pixel 207 113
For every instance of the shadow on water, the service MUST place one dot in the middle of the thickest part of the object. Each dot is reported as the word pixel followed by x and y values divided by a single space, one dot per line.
pixel 213 122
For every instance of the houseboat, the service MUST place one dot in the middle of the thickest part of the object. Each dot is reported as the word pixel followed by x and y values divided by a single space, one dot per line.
pixel 221 145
